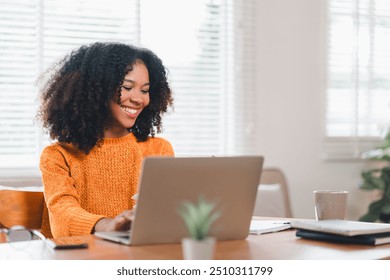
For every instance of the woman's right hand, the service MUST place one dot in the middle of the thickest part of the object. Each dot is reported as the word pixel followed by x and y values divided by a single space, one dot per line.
pixel 121 222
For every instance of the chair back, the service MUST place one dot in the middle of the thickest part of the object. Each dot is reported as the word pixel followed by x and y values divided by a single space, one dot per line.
pixel 21 203
pixel 273 198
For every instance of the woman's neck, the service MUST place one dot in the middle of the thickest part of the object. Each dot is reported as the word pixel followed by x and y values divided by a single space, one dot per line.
pixel 112 133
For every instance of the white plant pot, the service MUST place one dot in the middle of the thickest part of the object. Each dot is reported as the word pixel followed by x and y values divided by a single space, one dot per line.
pixel 198 250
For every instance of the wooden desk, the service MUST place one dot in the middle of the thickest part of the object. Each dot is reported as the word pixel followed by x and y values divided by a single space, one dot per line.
pixel 274 246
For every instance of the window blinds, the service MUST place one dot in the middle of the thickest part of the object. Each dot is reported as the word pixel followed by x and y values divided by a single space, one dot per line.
pixel 358 95
pixel 212 70
pixel 206 46
pixel 34 34
pixel 69 24
pixel 18 68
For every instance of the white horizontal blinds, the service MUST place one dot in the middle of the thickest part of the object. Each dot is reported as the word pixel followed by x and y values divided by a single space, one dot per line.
pixel 358 95
pixel 198 45
pixel 18 70
pixel 72 23
pixel 34 34
pixel 206 45
pixel 187 36
pixel 66 25
pixel 380 81
pixel 240 76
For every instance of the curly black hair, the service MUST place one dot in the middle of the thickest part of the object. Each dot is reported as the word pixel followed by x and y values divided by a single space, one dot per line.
pixel 75 100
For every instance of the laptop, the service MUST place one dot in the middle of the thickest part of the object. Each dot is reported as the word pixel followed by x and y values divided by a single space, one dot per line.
pixel 167 182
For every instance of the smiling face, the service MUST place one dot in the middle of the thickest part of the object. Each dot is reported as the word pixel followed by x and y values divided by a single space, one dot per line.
pixel 134 97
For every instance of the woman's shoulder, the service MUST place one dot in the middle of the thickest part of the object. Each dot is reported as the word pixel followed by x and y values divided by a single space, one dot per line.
pixel 51 148
pixel 59 149
pixel 156 146
pixel 158 140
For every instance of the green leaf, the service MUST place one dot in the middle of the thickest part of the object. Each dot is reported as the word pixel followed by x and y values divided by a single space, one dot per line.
pixel 372 180
pixel 385 176
pixel 376 206
pixel 374 211
pixel 386 141
pixel 386 208
pixel 198 217
pixel 369 217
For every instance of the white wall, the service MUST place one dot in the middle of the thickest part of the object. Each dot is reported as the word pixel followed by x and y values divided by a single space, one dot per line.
pixel 291 70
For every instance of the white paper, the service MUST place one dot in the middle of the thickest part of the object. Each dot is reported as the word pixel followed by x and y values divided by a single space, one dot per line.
pixel 267 226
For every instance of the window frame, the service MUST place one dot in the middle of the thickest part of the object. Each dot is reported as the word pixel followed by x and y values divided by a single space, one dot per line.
pixel 347 148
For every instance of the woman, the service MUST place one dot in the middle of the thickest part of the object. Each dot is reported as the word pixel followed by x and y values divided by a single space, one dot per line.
pixel 103 104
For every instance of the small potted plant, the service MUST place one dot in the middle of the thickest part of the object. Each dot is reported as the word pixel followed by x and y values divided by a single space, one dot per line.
pixel 198 218
pixel 378 179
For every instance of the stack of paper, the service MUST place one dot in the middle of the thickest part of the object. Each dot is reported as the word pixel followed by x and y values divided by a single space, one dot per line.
pixel 266 226
pixel 342 231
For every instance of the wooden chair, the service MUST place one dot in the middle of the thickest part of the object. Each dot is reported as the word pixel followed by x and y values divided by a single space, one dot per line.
pixel 20 204
pixel 273 198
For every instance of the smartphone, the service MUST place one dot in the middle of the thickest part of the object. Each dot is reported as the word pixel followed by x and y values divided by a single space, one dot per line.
pixel 71 242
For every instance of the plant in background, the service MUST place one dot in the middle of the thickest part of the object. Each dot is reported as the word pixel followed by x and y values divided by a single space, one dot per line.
pixel 378 179
pixel 198 217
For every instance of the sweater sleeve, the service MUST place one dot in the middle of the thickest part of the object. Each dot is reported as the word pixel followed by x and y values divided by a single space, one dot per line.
pixel 167 149
pixel 65 213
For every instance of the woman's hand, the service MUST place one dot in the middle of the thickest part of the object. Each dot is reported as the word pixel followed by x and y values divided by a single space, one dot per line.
pixel 121 222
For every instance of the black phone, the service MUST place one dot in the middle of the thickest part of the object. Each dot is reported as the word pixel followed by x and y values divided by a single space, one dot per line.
pixel 71 242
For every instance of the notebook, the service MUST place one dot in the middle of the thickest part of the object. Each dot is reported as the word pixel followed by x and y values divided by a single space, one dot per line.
pixel 342 227
pixel 166 182
pixel 365 239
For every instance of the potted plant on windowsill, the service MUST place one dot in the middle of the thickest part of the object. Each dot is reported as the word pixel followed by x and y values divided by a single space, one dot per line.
pixel 378 179
pixel 198 218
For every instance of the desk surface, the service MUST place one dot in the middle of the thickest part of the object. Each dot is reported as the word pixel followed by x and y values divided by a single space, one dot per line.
pixel 273 246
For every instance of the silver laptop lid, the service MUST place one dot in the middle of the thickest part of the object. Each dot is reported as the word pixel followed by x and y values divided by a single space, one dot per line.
pixel 166 182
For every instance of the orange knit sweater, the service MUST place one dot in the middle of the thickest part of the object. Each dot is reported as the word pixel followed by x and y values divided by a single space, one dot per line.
pixel 80 189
